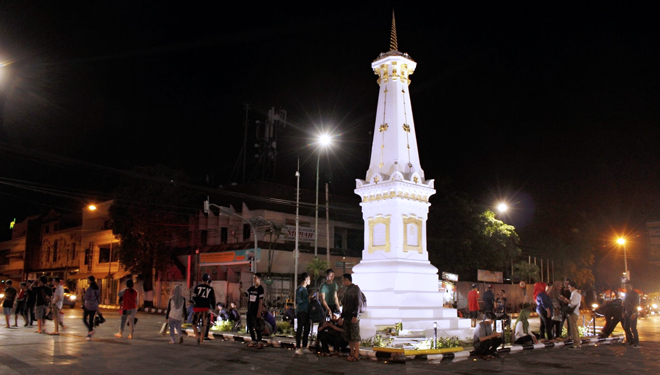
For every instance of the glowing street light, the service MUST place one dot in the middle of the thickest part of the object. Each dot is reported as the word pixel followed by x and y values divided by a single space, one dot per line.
pixel 91 207
pixel 622 241
pixel 324 140
pixel 502 207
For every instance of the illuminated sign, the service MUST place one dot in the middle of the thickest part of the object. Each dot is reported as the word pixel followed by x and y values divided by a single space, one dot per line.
pixel 653 235
pixel 229 257
pixel 449 276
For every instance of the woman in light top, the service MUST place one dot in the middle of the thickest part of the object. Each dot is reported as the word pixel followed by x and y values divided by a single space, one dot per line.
pixel 521 334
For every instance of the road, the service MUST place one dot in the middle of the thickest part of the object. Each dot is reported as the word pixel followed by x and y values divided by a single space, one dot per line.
pixel 22 351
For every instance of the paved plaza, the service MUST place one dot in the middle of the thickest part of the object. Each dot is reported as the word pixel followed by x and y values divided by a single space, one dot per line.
pixel 24 352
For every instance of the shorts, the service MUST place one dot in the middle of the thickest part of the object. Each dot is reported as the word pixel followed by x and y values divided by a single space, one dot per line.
pixel 198 315
pixel 7 310
pixel 352 331
pixel 41 311
pixel 474 315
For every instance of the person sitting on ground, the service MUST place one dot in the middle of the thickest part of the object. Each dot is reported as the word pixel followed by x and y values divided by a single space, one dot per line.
pixel 222 311
pixel 270 325
pixel 289 313
pixel 330 334
pixel 234 316
pixel 486 341
pixel 522 335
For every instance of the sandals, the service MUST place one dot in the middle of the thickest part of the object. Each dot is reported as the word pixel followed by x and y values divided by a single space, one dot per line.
pixel 352 359
pixel 260 345
pixel 252 345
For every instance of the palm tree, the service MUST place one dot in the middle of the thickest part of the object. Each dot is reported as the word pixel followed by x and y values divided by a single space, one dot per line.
pixel 526 271
pixel 315 269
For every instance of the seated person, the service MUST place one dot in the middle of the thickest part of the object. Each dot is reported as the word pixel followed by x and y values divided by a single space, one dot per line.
pixel 269 323
pixel 222 312
pixel 331 334
pixel 486 341
pixel 289 313
pixel 522 335
pixel 234 316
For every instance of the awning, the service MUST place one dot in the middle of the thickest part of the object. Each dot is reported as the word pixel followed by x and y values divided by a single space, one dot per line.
pixel 97 275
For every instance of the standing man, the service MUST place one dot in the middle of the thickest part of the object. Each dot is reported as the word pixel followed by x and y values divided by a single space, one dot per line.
pixel 302 313
pixel 489 299
pixel 56 305
pixel 328 292
pixel 129 303
pixel 574 303
pixel 8 301
pixel 350 316
pixel 21 304
pixel 485 341
pixel 473 304
pixel 630 304
pixel 43 293
pixel 203 301
pixel 255 310
pixel 566 296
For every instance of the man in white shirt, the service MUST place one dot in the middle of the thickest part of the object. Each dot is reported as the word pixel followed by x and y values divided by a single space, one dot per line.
pixel 574 303
pixel 58 300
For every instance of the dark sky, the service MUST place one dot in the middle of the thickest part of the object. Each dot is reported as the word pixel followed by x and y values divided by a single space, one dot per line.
pixel 544 104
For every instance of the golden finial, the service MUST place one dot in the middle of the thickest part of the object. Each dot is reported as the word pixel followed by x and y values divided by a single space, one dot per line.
pixel 394 45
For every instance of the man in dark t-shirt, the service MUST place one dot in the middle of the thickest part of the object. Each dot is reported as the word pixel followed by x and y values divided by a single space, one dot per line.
pixel 203 301
pixel 8 301
pixel 328 291
pixel 255 296
pixel 43 292
pixel 489 299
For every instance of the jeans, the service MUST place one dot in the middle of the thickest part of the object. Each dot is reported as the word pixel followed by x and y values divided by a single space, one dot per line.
pixel 252 327
pixel 303 329
pixel 630 326
pixel 88 319
pixel 546 325
pixel 130 315
pixel 175 324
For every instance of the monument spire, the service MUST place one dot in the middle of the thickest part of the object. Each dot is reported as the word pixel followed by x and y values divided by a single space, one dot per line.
pixel 394 45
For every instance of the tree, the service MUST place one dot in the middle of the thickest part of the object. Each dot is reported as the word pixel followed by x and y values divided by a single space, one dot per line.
pixel 461 239
pixel 526 271
pixel 150 212
pixel 315 269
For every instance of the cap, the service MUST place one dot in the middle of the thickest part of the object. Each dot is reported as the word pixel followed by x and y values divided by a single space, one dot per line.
pixel 206 277
pixel 490 286
pixel 474 285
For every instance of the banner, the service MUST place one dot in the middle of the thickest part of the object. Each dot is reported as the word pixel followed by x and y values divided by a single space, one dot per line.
pixel 304 234
pixel 653 235
pixel 490 276
pixel 229 257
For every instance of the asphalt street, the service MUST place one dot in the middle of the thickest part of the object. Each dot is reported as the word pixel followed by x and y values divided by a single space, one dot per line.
pixel 22 351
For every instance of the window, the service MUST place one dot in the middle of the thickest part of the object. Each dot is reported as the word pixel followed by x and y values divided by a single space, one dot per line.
pixel 338 240
pixel 4 257
pixel 223 235
pixel 55 252
pixel 246 231
pixel 56 227
pixel 104 253
pixel 88 256
pixel 355 239
pixel 47 229
pixel 204 237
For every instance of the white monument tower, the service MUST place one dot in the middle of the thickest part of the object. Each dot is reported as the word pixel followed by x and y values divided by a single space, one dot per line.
pixel 395 274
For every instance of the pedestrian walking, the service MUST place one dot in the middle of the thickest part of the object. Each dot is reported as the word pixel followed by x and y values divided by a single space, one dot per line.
pixel 630 313
pixel 92 299
pixel 8 301
pixel 302 313
pixel 56 304
pixel 129 298
pixel 21 304
pixel 43 293
pixel 176 313
pixel 204 300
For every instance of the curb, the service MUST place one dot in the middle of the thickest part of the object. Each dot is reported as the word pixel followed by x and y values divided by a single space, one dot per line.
pixel 395 357
pixel 153 310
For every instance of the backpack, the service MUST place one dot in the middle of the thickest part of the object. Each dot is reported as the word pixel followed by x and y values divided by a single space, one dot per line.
pixel 45 296
pixel 316 311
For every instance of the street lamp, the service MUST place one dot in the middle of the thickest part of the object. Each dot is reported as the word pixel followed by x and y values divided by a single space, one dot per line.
pixel 502 207
pixel 323 141
pixel 622 241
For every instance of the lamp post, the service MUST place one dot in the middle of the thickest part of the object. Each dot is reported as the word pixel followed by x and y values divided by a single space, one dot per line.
pixel 324 140
pixel 622 241
pixel 296 251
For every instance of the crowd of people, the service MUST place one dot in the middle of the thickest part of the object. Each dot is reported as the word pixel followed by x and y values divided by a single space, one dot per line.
pixel 557 305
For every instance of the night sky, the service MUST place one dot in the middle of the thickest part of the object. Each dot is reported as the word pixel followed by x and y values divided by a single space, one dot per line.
pixel 544 105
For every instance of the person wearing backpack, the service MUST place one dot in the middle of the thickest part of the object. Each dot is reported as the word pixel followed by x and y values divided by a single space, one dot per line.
pixel 43 291
pixel 91 305
pixel 302 313
pixel 352 303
